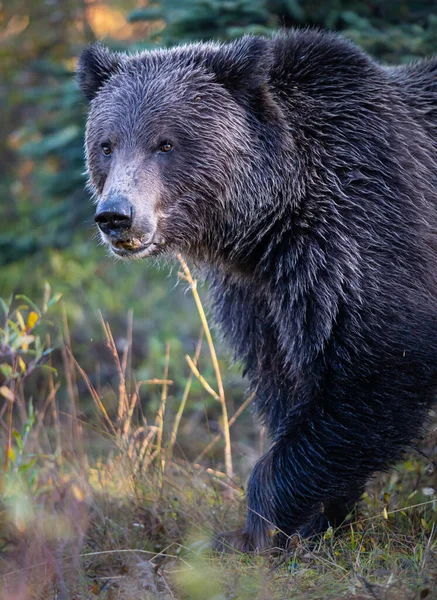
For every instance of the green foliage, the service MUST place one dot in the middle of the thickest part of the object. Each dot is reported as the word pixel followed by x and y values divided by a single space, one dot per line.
pixel 23 352
pixel 208 19
pixel 391 30
pixel 55 207
pixel 22 347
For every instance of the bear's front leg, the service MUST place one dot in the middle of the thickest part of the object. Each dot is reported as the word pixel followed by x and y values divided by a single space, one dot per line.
pixel 309 480
pixel 276 505
pixel 282 494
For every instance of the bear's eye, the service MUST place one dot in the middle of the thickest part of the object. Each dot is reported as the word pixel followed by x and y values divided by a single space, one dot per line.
pixel 166 147
pixel 106 149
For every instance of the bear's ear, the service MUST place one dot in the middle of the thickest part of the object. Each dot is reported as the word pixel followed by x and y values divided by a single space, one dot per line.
pixel 95 66
pixel 242 65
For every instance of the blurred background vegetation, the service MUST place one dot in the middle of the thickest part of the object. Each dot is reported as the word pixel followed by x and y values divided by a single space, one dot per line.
pixel 46 224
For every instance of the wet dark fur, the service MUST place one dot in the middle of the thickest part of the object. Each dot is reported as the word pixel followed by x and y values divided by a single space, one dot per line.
pixel 308 190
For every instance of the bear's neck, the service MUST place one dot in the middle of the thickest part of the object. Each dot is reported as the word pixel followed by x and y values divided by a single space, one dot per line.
pixel 280 318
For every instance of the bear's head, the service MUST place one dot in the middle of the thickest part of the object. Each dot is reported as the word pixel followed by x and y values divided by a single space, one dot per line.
pixel 172 145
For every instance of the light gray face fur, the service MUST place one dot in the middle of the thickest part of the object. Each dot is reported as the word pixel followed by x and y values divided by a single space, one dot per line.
pixel 179 142
pixel 137 185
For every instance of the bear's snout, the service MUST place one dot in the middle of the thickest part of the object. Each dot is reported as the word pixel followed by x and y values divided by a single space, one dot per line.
pixel 114 215
pixel 126 232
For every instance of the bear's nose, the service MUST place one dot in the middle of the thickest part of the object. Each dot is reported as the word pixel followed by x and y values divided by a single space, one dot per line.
pixel 114 216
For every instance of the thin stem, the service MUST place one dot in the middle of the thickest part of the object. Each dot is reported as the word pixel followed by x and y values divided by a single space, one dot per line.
pixel 160 414
pixel 221 392
pixel 201 379
pixel 183 401
pixel 232 420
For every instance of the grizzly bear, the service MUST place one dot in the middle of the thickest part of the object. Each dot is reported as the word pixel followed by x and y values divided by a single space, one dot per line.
pixel 301 175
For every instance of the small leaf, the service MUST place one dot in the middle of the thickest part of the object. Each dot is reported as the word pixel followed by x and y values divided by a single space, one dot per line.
pixel 6 370
pixel 14 326
pixel 26 466
pixel 7 393
pixel 54 300
pixel 385 513
pixel 18 439
pixel 4 306
pixel 29 302
pixel 50 369
pixel 32 320
pixel 20 320
pixel 22 364
pixel 11 455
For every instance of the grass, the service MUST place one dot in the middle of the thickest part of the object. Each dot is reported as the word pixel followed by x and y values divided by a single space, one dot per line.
pixel 120 502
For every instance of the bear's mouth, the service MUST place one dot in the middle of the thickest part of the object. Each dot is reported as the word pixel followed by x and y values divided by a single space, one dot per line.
pixel 135 248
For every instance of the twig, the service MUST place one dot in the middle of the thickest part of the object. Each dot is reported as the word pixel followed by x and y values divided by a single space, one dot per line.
pixel 231 422
pixel 70 377
pixel 202 380
pixel 122 393
pixel 221 393
pixel 183 401
pixel 128 347
pixel 427 548
pixel 128 419
pixel 144 450
pixel 159 422
pixel 49 400
pixel 55 416
pixel 135 397
pixel 94 394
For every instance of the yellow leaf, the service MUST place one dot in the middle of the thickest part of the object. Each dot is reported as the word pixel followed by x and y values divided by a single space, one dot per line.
pixel 11 454
pixel 20 320
pixel 32 320
pixel 385 513
pixel 7 393
pixel 21 364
